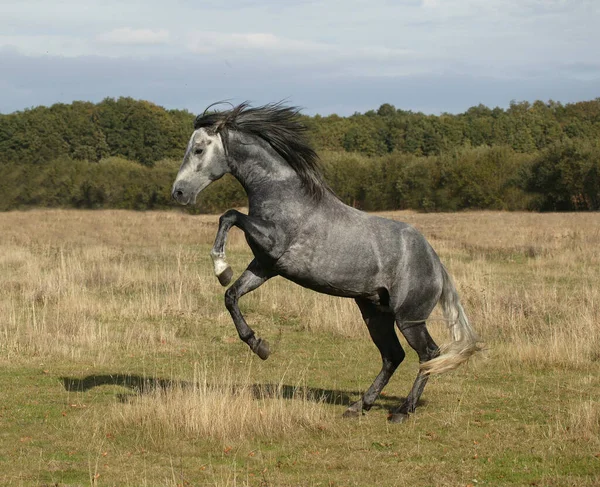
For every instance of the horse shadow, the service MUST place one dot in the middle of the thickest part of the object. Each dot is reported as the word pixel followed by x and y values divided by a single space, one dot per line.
pixel 139 385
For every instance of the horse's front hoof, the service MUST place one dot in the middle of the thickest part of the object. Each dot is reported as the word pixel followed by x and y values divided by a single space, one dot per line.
pixel 225 276
pixel 262 349
pixel 397 417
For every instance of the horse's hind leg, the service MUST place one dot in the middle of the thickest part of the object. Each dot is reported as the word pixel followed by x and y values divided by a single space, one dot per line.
pixel 381 328
pixel 418 337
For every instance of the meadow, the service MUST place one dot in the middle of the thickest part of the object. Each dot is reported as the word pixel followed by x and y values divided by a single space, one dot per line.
pixel 119 364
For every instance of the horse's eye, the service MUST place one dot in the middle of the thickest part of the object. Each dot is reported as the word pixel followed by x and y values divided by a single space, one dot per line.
pixel 198 151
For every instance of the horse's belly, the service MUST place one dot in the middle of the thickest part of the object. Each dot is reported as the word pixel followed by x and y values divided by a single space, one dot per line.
pixel 335 274
pixel 333 289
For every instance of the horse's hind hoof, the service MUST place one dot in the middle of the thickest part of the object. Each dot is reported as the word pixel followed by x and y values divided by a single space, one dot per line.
pixel 262 349
pixel 355 410
pixel 352 413
pixel 398 417
pixel 225 276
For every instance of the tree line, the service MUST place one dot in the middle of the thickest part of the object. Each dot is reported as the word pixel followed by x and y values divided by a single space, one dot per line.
pixel 124 153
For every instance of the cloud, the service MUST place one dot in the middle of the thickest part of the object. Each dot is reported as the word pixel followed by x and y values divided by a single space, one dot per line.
pixel 129 36
pixel 358 53
pixel 209 42
pixel 270 48
pixel 193 84
pixel 430 3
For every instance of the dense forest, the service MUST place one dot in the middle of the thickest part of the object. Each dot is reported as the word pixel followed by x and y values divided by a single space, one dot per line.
pixel 125 153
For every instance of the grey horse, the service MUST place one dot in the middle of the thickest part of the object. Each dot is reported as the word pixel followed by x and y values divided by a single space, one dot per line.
pixel 297 228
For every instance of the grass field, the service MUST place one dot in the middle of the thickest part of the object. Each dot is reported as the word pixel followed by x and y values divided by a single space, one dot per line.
pixel 119 364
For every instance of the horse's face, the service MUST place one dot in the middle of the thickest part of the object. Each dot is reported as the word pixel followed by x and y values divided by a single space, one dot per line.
pixel 204 162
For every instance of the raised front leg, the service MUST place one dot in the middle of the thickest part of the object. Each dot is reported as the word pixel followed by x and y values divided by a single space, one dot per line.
pixel 250 279
pixel 259 232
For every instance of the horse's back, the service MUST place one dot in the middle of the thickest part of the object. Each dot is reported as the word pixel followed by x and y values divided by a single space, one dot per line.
pixel 346 252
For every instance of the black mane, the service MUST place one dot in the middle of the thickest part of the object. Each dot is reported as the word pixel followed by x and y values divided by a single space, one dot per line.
pixel 281 128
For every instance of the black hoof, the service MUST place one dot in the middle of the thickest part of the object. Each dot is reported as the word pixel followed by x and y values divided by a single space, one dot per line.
pixel 225 276
pixel 262 349
pixel 397 417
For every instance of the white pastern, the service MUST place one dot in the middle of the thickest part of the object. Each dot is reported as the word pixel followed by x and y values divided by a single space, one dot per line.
pixel 220 264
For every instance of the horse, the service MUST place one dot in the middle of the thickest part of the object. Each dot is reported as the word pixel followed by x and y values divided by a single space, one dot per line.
pixel 297 228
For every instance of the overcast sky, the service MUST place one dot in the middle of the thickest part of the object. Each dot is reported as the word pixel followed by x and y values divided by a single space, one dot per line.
pixel 332 56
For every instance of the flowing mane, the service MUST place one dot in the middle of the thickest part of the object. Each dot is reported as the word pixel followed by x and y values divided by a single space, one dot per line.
pixel 278 125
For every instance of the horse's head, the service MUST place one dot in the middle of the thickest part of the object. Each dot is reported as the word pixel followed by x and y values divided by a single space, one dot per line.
pixel 205 161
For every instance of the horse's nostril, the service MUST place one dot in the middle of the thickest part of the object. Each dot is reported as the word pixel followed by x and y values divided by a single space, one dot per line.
pixel 177 194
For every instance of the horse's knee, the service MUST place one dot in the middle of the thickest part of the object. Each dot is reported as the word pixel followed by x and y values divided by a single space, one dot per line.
pixel 395 359
pixel 228 216
pixel 391 361
pixel 434 352
pixel 231 299
pixel 428 354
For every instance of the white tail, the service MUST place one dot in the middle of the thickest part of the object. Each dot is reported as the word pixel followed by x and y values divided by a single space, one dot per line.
pixel 465 341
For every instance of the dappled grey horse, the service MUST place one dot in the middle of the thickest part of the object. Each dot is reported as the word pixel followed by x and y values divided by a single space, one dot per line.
pixel 297 228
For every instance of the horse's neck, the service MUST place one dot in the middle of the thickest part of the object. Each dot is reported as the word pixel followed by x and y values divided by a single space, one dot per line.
pixel 271 184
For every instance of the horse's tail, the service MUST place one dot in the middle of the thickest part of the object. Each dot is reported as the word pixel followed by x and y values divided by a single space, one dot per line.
pixel 465 341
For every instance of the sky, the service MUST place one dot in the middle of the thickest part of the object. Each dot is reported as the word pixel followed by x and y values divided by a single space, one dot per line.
pixel 330 56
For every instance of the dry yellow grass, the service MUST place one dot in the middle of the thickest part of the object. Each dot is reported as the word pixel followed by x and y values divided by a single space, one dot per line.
pixel 68 274
pixel 220 406
pixel 93 293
